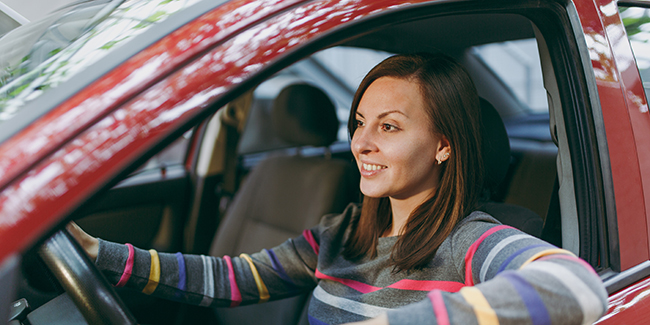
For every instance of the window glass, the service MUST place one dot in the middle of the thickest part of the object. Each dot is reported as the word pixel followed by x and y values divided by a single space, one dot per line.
pixel 517 64
pixel 637 25
pixel 350 64
pixel 173 155
pixel 39 56
pixel 337 70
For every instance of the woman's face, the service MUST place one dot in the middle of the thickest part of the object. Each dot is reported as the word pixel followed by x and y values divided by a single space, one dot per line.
pixel 394 145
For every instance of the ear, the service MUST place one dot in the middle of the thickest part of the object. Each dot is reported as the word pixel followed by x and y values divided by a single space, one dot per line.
pixel 444 150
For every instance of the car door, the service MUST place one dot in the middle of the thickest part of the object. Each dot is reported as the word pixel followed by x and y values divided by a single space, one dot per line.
pixel 625 26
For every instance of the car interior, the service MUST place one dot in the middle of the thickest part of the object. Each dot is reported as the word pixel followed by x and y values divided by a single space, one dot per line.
pixel 276 159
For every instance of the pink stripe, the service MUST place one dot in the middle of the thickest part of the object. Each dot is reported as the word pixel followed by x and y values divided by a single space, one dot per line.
pixel 421 285
pixel 405 284
pixel 569 258
pixel 469 280
pixel 439 309
pixel 356 285
pixel 235 295
pixel 128 268
pixel 310 239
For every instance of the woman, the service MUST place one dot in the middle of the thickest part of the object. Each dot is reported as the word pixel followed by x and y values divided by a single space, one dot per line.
pixel 415 242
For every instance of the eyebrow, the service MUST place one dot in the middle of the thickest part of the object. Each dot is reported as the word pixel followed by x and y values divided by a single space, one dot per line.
pixel 384 114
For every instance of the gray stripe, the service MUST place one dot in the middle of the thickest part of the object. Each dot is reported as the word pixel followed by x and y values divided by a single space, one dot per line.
pixel 208 281
pixel 348 305
pixel 496 250
pixel 589 303
pixel 211 264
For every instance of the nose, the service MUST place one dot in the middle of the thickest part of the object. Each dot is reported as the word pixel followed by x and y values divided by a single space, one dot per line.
pixel 363 141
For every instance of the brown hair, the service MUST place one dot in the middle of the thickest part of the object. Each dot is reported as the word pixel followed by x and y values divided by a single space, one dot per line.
pixel 453 108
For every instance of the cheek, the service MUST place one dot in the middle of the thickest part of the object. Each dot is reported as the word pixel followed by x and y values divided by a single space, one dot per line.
pixel 413 155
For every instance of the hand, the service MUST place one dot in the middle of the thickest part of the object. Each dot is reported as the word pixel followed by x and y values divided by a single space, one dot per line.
pixel 89 243
pixel 381 320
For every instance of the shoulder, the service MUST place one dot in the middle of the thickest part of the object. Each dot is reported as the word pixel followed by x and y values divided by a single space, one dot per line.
pixel 479 241
pixel 478 229
pixel 481 229
pixel 474 226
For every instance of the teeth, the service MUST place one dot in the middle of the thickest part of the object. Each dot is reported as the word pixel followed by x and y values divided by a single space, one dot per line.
pixel 371 167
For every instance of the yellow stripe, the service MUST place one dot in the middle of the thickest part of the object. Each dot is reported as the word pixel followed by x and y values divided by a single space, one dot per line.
pixel 261 287
pixel 546 253
pixel 485 315
pixel 154 273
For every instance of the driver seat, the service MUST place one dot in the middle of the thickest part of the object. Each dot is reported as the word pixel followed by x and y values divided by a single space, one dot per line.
pixel 496 161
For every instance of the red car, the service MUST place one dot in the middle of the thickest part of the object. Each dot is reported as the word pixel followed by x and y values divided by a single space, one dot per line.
pixel 148 121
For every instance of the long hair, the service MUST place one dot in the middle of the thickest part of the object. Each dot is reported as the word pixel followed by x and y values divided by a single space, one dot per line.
pixel 453 108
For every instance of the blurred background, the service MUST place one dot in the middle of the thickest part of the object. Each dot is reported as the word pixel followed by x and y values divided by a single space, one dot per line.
pixel 14 13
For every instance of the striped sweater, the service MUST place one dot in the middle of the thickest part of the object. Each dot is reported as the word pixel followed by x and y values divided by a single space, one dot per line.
pixel 483 273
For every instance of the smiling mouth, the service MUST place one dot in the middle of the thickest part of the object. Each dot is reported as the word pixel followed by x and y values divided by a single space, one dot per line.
pixel 371 167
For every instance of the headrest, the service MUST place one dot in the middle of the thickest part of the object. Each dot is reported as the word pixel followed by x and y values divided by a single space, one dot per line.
pixel 304 115
pixel 495 145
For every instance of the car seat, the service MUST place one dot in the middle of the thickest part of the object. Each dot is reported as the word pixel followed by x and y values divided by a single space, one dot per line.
pixel 283 195
pixel 496 158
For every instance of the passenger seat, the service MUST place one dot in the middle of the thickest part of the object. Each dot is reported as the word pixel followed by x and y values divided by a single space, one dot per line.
pixel 283 195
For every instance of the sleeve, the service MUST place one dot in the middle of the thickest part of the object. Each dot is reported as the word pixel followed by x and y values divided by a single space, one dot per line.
pixel 270 274
pixel 511 278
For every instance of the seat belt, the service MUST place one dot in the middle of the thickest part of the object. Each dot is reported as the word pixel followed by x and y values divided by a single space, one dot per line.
pixel 207 210
pixel 233 121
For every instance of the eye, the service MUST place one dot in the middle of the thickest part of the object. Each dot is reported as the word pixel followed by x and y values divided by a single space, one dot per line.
pixel 360 123
pixel 389 127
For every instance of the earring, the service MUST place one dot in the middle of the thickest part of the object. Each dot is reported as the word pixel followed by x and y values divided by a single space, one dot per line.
pixel 445 156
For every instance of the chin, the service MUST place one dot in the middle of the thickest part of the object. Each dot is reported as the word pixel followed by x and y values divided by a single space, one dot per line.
pixel 375 196
pixel 373 193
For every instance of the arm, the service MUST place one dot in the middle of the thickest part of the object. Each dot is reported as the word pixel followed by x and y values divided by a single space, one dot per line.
pixel 511 277
pixel 276 273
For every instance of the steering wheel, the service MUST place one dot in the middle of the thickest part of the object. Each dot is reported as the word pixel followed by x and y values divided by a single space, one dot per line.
pixel 86 286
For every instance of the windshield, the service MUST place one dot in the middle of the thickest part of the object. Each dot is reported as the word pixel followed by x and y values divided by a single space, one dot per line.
pixel 39 56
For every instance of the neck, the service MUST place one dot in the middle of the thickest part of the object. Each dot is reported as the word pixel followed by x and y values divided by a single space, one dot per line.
pixel 401 211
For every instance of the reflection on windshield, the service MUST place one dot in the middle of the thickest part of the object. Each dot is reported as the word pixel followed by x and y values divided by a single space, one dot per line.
pixel 37 72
